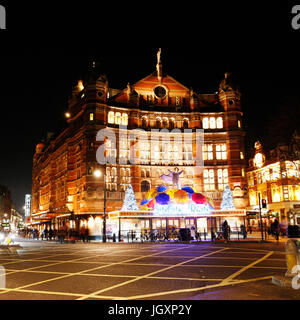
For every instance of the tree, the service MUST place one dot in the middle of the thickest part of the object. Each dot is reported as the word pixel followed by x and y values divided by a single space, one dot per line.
pixel 227 201
pixel 129 203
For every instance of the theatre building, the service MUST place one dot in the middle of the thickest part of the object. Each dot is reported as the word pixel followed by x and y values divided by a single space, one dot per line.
pixel 70 184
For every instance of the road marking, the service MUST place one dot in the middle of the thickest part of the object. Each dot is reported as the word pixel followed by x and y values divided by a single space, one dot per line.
pixel 78 273
pixel 150 274
pixel 189 290
pixel 228 279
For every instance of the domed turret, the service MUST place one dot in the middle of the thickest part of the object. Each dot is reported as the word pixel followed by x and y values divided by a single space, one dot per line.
pixel 39 147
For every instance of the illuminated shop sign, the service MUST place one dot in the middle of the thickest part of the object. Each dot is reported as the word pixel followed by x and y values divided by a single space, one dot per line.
pixel 182 209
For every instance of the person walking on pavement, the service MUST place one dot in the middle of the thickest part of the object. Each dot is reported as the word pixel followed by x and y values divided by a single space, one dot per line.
pixel 225 230
pixel 276 229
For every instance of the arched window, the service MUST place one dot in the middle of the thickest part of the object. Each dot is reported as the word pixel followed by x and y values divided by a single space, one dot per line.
pixel 172 124
pixel 144 122
pixel 111 117
pixel 143 173
pixel 158 123
pixel 205 123
pixel 124 119
pixel 220 123
pixel 118 118
pixel 212 123
pixel 185 123
pixel 165 122
pixel 145 186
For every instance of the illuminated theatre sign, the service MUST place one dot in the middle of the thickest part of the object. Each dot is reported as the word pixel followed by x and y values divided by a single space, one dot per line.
pixel 182 209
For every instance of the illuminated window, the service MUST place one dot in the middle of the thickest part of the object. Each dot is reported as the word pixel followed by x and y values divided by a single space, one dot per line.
pixel 118 118
pixel 188 151
pixel 208 152
pixel 212 123
pixel 221 151
pixel 111 117
pixel 222 178
pixel 275 194
pixel 220 123
pixel 91 117
pixel 243 172
pixel 124 119
pixel 125 178
pixel 297 193
pixel 239 124
pixel 205 123
pixel 259 178
pixel 209 180
pixel 241 155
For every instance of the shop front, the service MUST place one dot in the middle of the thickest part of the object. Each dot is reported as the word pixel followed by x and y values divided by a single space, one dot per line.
pixel 140 224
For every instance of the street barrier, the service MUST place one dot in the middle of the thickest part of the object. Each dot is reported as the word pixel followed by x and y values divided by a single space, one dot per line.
pixel 2 278
pixel 292 251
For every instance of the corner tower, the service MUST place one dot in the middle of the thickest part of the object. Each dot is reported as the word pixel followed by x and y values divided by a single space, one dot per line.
pixel 229 94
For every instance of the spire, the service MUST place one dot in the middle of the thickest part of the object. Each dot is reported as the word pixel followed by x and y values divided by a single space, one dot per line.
pixel 159 65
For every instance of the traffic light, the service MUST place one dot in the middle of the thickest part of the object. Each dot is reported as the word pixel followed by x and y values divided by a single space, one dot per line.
pixel 264 203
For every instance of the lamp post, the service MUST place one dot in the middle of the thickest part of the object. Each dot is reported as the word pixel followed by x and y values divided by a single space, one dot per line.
pixel 261 226
pixel 98 174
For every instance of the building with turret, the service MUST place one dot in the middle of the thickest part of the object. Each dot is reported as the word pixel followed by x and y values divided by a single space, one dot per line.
pixel 69 180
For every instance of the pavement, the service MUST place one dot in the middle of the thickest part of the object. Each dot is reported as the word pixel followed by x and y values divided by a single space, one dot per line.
pixel 47 270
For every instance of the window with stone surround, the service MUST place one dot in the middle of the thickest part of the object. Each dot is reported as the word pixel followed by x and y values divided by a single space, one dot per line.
pixel 209 180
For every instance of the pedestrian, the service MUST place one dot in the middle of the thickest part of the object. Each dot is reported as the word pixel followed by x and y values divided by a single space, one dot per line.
pixel 86 235
pixel 213 235
pixel 50 234
pixel 276 229
pixel 82 234
pixel 225 230
pixel 250 229
pixel 243 231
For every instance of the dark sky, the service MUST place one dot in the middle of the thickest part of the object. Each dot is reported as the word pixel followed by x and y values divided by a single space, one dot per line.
pixel 39 65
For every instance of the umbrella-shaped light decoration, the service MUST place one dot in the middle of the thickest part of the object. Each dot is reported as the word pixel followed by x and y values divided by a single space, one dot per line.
pixel 161 188
pixel 162 199
pixel 145 201
pixel 151 193
pixel 198 198
pixel 150 204
pixel 181 196
pixel 188 190
pixel 171 192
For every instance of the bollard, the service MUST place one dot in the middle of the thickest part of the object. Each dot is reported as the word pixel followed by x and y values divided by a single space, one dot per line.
pixel 292 251
pixel 204 235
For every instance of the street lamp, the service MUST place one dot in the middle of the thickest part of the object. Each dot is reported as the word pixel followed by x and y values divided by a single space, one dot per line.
pixel 98 174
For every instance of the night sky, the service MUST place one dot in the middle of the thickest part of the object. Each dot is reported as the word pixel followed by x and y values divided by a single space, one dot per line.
pixel 39 66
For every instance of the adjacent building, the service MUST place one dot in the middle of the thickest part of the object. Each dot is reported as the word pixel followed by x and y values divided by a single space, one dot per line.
pixel 274 176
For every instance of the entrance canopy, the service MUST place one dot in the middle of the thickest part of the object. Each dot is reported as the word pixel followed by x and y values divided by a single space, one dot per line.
pixel 152 214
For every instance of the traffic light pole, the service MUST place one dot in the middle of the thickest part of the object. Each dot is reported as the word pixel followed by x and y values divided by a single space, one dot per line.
pixel 261 225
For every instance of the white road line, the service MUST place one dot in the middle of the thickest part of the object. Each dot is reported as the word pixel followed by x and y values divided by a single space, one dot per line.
pixel 189 290
pixel 228 279
pixel 150 274
pixel 78 273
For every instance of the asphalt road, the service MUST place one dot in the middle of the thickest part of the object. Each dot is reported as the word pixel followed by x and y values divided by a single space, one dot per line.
pixel 95 271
